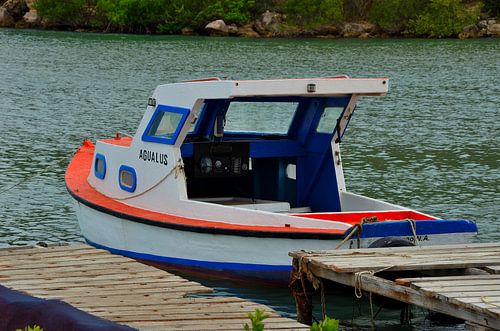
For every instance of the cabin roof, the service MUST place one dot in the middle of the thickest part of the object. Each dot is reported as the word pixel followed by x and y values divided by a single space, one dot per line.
pixel 214 88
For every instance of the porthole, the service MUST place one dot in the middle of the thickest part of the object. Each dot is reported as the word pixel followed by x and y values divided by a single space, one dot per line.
pixel 100 166
pixel 127 178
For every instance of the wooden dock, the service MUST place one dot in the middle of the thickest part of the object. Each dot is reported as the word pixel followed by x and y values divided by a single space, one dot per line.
pixel 467 285
pixel 125 291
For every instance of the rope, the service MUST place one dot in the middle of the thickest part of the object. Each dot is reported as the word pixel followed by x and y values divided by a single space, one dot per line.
pixel 413 226
pixel 357 282
pixel 38 173
pixel 483 299
pixel 322 298
pixel 177 169
pixel 358 228
pixel 371 310
pixel 357 279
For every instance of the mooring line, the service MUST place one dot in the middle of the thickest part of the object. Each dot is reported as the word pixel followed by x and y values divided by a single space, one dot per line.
pixel 38 173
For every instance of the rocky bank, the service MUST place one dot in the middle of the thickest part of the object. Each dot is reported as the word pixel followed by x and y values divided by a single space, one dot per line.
pixel 22 14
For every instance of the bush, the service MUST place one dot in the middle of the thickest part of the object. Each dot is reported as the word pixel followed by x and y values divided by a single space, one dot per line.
pixel 231 11
pixel 492 7
pixel 313 12
pixel 257 320
pixel 328 324
pixel 357 9
pixel 443 18
pixel 394 15
pixel 133 15
pixel 69 12
pixel 196 14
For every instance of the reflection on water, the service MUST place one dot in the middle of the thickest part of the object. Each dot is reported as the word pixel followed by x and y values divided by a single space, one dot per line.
pixel 431 144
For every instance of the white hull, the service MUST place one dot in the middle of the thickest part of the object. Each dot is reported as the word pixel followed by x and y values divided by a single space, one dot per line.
pixel 219 252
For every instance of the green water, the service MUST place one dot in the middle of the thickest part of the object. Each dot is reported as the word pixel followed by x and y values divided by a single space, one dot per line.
pixel 432 144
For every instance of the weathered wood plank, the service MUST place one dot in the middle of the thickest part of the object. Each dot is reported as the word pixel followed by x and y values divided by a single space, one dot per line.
pixel 470 294
pixel 494 269
pixel 388 250
pixel 407 281
pixel 394 265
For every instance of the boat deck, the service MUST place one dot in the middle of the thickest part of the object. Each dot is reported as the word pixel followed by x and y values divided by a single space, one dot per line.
pixel 125 291
pixel 457 280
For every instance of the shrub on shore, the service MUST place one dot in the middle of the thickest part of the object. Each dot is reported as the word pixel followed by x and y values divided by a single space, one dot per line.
pixel 314 12
pixel 429 18
pixel 443 18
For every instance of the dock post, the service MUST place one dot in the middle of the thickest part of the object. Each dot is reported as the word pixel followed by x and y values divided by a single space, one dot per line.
pixel 301 293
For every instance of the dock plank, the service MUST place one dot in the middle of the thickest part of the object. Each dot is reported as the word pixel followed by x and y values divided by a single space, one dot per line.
pixel 125 291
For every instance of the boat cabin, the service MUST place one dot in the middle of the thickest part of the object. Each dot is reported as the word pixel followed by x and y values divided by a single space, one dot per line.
pixel 269 145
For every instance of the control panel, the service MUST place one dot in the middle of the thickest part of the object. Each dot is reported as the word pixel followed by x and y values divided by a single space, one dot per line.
pixel 225 159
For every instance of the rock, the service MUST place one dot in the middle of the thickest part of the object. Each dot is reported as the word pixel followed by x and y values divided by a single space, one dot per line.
pixel 364 35
pixel 494 30
pixel 187 31
pixel 491 21
pixel 31 18
pixel 355 30
pixel 218 28
pixel 16 8
pixel 6 20
pixel 30 4
pixel 482 24
pixel 328 30
pixel 247 31
pixel 232 30
pixel 470 31
pixel 269 23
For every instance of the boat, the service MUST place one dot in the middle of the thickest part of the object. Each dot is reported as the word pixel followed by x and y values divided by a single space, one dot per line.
pixel 228 176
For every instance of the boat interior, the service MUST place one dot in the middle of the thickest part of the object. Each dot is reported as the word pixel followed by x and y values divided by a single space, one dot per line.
pixel 279 159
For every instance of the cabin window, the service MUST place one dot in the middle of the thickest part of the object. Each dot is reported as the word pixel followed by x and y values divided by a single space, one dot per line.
pixel 100 166
pixel 127 178
pixel 328 120
pixel 166 124
pixel 265 117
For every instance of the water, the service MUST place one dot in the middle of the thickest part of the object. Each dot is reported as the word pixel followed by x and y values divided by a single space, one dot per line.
pixel 432 144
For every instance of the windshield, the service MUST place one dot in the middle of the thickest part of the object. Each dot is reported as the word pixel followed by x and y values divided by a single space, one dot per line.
pixel 265 117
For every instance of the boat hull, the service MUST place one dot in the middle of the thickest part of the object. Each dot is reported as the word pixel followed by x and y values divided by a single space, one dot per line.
pixel 262 258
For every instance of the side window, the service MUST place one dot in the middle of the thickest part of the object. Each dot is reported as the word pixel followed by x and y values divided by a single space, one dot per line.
pixel 328 120
pixel 165 124
pixel 100 166
pixel 127 178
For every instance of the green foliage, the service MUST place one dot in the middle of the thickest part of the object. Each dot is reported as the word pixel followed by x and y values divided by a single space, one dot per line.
pixel 31 328
pixel 357 9
pixel 394 15
pixel 328 324
pixel 443 18
pixel 492 7
pixel 314 12
pixel 133 15
pixel 69 12
pixel 257 320
pixel 196 14
pixel 231 11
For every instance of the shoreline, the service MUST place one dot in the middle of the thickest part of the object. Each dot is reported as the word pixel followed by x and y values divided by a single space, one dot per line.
pixel 305 34
pixel 37 14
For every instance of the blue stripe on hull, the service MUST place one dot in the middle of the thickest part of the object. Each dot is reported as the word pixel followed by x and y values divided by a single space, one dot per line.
pixel 403 228
pixel 226 266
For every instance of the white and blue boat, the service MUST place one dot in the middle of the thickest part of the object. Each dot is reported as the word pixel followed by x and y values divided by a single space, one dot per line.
pixel 196 187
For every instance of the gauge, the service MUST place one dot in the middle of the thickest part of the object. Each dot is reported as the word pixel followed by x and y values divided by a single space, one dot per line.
pixel 206 165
